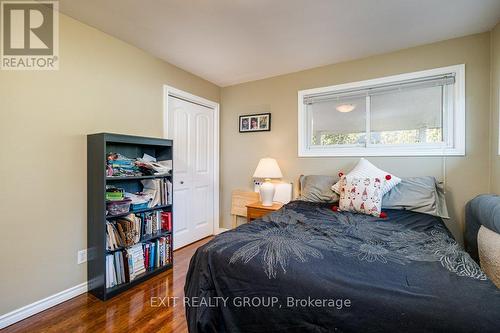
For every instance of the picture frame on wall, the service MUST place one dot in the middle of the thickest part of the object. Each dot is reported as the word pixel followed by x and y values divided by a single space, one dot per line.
pixel 260 122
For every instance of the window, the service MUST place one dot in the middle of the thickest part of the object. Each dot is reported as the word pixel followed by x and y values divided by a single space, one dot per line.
pixel 414 114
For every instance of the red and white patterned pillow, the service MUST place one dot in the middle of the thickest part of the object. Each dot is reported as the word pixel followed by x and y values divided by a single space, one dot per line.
pixel 365 169
pixel 361 195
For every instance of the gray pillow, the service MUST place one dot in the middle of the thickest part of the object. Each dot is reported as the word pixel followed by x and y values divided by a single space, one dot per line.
pixel 418 194
pixel 318 188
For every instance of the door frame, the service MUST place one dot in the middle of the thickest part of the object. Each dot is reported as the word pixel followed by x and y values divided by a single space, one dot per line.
pixel 171 91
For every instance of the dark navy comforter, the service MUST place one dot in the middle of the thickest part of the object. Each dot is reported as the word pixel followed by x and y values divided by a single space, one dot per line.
pixel 306 268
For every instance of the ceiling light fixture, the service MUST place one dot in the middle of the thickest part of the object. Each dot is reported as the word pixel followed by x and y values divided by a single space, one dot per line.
pixel 344 108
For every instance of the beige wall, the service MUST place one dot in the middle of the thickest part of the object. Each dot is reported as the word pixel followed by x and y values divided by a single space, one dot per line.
pixel 495 107
pixel 103 85
pixel 466 176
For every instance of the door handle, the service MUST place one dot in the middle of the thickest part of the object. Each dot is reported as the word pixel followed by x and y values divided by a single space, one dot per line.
pixel 182 182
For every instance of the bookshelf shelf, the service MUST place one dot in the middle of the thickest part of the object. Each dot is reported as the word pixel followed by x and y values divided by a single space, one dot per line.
pixel 144 239
pixel 140 278
pixel 98 146
pixel 154 236
pixel 138 211
pixel 136 177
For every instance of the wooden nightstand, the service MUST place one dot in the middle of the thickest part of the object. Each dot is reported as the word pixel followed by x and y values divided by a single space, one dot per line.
pixel 256 210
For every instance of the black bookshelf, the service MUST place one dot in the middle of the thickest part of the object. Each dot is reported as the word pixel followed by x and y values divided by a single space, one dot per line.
pixel 98 146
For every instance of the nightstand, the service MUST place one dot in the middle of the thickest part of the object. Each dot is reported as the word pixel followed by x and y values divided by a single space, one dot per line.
pixel 256 210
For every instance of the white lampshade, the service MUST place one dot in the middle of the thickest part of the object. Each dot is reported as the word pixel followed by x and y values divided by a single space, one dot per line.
pixel 267 168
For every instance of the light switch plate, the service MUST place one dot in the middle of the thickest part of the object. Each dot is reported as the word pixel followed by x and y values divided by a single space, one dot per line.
pixel 82 256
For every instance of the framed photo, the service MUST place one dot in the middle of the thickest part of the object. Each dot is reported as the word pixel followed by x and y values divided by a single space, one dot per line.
pixel 260 122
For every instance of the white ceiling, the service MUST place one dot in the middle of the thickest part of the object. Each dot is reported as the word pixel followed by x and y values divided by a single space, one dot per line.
pixel 233 41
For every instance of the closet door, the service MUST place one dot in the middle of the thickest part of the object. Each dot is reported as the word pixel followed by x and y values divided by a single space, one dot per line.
pixel 191 128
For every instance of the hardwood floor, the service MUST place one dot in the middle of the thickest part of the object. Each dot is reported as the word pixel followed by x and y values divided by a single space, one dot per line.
pixel 128 312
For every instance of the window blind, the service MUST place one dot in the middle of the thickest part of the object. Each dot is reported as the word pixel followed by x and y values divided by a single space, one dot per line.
pixel 430 81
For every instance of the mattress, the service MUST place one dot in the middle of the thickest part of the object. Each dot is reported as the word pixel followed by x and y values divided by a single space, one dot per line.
pixel 306 268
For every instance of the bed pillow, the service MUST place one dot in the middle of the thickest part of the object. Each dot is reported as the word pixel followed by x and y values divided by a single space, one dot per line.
pixel 418 194
pixel 365 169
pixel 361 195
pixel 318 188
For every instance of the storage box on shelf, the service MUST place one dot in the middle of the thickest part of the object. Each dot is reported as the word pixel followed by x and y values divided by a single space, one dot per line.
pixel 129 239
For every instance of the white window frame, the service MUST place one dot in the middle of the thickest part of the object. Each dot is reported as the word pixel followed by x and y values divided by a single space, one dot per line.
pixel 453 122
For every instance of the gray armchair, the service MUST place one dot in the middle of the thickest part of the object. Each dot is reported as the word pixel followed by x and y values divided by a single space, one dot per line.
pixel 482 233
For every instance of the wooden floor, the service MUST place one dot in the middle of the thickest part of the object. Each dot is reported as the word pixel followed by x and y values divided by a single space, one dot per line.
pixel 127 312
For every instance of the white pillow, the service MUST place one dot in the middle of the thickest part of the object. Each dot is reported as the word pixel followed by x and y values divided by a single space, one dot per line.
pixel 365 169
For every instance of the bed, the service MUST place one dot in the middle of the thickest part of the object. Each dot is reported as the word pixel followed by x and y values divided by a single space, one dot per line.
pixel 306 268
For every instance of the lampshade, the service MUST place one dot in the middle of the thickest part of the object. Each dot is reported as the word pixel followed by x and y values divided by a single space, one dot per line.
pixel 267 168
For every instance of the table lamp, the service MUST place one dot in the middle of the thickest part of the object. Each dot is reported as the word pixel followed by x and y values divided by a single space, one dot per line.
pixel 267 168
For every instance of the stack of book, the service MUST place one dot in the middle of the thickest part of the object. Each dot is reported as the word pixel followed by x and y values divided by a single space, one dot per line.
pixel 135 256
pixel 165 191
pixel 113 239
pixel 157 253
pixel 151 223
pixel 121 166
pixel 117 271
pixel 166 221
pixel 125 266
pixel 160 190
pixel 129 228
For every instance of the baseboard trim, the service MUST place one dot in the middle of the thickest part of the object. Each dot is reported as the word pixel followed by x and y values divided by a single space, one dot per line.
pixel 43 304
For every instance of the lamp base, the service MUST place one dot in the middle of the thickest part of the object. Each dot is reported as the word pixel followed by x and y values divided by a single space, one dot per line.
pixel 267 193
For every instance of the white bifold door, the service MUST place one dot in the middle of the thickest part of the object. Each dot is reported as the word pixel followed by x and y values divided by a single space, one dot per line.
pixel 191 126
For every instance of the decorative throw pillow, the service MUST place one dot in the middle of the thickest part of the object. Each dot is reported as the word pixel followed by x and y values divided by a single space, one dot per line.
pixel 365 169
pixel 361 195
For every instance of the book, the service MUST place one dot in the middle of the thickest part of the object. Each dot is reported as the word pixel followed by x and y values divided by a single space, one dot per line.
pixel 166 221
pixel 169 249
pixel 152 256
pixel 165 185
pixel 146 254
pixel 169 192
pixel 154 222
pixel 158 221
pixel 122 268
pixel 157 258
pixel 162 251
pixel 116 263
pixel 108 272
pixel 125 266
pixel 130 261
